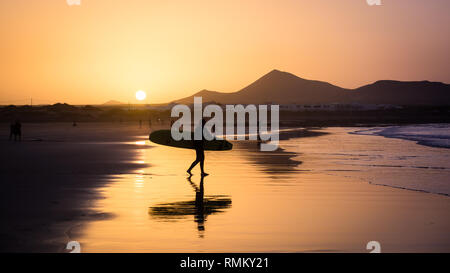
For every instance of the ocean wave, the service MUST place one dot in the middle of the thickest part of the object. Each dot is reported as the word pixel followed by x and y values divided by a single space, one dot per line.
pixel 434 135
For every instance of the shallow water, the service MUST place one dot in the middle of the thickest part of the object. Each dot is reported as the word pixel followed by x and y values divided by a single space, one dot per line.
pixel 311 196
pixel 375 159
pixel 435 135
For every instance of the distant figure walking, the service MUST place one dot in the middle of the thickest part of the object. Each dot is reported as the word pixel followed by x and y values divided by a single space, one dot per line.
pixel 15 131
pixel 199 151
pixel 11 130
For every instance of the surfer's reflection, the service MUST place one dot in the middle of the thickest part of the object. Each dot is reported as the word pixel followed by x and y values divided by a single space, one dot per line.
pixel 200 208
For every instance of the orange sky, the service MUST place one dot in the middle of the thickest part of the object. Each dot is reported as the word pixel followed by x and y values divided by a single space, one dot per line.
pixel 109 49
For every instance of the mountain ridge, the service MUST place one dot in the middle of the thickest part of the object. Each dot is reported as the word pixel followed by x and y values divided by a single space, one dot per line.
pixel 112 102
pixel 286 88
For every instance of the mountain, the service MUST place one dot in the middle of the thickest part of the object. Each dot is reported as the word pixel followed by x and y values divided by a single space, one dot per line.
pixel 285 88
pixel 277 87
pixel 403 93
pixel 112 102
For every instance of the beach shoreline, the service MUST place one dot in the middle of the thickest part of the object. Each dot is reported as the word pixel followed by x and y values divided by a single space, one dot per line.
pixel 51 180
pixel 96 161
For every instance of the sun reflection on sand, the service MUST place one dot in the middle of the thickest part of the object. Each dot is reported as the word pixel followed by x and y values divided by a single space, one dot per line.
pixel 297 199
pixel 139 181
pixel 140 142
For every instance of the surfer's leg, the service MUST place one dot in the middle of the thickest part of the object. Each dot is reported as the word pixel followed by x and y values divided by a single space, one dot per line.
pixel 202 162
pixel 192 166
pixel 196 161
pixel 201 166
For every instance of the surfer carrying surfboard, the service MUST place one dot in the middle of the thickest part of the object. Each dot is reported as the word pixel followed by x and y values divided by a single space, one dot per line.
pixel 199 146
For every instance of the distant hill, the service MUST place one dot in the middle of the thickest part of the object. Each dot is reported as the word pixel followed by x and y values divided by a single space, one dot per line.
pixel 285 88
pixel 403 93
pixel 112 102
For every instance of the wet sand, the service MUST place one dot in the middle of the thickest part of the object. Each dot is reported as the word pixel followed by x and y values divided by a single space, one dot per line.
pixel 124 194
pixel 52 178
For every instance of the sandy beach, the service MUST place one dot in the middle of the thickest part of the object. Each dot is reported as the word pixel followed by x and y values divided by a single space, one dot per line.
pixel 50 180
pixel 106 186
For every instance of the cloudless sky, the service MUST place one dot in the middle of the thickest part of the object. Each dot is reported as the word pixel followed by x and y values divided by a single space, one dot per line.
pixel 109 49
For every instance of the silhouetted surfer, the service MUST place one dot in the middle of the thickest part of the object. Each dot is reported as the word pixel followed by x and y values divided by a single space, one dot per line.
pixel 199 151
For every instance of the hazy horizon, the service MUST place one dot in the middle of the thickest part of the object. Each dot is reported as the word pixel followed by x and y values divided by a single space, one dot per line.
pixel 103 50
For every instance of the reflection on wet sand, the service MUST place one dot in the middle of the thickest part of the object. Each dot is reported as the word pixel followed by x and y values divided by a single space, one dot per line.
pixel 201 207
pixel 279 162
pixel 273 163
pixel 290 200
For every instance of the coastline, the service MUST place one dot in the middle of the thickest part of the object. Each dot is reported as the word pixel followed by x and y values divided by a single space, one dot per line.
pixel 334 211
pixel 50 186
pixel 441 138
pixel 280 202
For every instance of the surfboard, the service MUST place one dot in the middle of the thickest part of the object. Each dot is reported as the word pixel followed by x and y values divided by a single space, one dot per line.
pixel 164 137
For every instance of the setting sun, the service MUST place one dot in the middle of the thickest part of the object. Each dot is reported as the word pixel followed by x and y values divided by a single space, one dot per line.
pixel 140 95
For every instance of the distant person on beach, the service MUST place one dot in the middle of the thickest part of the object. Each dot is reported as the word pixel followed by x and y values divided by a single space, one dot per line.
pixel 11 130
pixel 199 151
pixel 18 130
pixel 15 131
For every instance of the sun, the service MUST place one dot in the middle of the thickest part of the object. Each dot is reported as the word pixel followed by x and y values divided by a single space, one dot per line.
pixel 140 95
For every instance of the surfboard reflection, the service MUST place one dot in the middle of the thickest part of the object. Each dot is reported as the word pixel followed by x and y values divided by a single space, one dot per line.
pixel 200 208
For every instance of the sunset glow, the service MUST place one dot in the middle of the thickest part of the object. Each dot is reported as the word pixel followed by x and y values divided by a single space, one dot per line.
pixel 96 51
